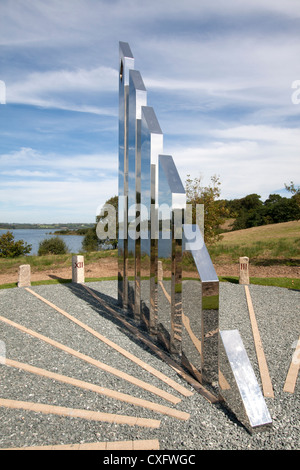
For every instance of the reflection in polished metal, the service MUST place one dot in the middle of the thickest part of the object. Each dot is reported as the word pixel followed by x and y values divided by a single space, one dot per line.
pixel 126 63
pixel 151 147
pixel 154 223
pixel 239 387
pixel 201 307
pixel 171 205
pixel 137 99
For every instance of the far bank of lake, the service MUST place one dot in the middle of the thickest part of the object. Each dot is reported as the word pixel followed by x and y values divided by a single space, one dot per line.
pixel 35 236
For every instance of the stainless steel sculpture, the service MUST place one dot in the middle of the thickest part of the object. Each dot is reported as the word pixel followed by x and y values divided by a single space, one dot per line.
pixel 181 314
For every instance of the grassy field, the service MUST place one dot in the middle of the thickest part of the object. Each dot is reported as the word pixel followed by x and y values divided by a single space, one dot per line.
pixel 42 263
pixel 276 244
pixel 264 245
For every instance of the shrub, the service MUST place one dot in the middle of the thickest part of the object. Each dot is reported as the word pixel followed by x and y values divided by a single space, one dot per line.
pixel 11 249
pixel 90 241
pixel 52 246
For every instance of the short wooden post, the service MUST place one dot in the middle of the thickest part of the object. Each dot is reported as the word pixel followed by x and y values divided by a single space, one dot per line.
pixel 160 273
pixel 244 270
pixel 24 279
pixel 2 353
pixel 78 269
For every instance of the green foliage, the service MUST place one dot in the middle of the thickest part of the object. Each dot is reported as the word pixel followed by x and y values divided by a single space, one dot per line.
pixel 250 211
pixel 52 246
pixel 281 209
pixel 9 248
pixel 295 192
pixel 215 210
pixel 113 201
pixel 91 241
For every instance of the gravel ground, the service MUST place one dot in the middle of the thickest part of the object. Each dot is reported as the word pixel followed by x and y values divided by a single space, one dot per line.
pixel 210 426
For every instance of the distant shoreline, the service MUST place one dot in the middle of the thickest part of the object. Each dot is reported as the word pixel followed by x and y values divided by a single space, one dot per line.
pixel 71 227
pixel 78 232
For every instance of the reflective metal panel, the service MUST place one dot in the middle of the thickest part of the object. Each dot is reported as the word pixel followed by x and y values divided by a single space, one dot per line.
pixel 238 384
pixel 126 62
pixel 200 308
pixel 137 99
pixel 171 205
pixel 151 146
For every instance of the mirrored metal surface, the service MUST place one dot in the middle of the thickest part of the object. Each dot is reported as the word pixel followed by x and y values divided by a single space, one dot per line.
pixel 126 63
pixel 200 307
pixel 238 384
pixel 171 205
pixel 151 146
pixel 137 99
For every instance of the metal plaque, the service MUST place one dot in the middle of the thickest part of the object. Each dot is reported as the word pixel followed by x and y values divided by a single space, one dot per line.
pixel 238 384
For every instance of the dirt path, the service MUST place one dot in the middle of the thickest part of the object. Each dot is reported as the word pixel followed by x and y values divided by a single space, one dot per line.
pixel 108 268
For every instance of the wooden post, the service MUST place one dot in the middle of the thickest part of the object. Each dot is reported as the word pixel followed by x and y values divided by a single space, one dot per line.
pixel 160 273
pixel 78 269
pixel 244 270
pixel 24 279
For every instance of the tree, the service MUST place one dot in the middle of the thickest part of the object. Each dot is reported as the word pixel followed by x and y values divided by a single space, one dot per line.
pixel 91 241
pixel 11 249
pixel 249 213
pixel 295 192
pixel 281 209
pixel 52 246
pixel 113 203
pixel 215 211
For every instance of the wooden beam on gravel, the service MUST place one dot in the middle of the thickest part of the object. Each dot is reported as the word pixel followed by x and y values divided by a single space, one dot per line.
pixel 116 347
pixel 105 367
pixel 79 413
pixel 157 408
pixel 291 378
pixel 262 362
pixel 143 444
pixel 173 364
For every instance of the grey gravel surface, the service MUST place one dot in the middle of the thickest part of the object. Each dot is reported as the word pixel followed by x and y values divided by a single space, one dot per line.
pixel 210 426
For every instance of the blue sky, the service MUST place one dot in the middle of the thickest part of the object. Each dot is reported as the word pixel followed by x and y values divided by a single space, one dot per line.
pixel 218 74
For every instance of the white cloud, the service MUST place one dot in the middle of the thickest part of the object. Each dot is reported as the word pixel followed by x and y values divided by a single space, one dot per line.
pixel 27 173
pixel 239 68
pixel 77 200
pixel 100 79
pixel 248 159
pixel 61 88
pixel 277 135
pixel 33 182
pixel 28 157
pixel 220 73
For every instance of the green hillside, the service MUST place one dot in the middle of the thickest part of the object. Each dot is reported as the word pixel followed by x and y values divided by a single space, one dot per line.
pixel 266 244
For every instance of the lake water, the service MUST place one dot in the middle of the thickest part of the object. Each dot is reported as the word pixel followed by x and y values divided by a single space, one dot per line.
pixel 74 242
pixel 35 236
